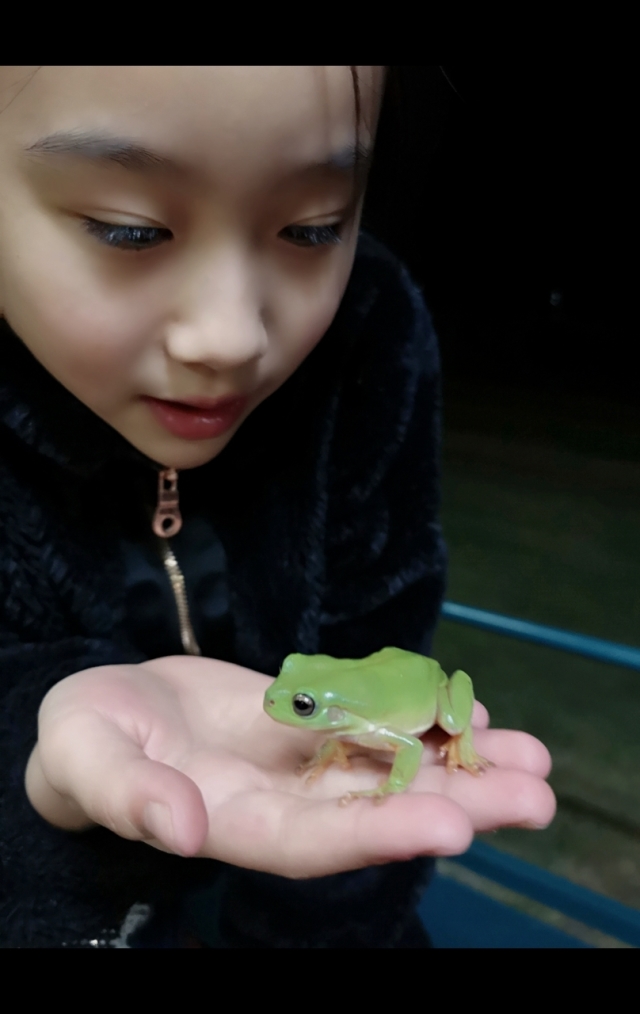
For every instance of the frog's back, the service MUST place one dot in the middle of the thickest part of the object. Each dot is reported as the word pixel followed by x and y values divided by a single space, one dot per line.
pixel 392 686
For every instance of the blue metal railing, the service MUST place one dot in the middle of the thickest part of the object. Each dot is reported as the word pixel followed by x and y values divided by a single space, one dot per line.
pixel 594 910
pixel 555 892
pixel 551 637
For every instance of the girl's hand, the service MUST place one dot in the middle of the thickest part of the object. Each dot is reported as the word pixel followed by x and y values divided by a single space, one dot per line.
pixel 178 752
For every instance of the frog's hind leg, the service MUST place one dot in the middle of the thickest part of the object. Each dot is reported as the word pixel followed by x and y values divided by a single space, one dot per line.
pixel 460 753
pixel 331 752
pixel 455 707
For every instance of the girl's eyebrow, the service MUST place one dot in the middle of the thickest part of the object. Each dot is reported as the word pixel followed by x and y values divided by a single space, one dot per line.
pixel 122 151
pixel 100 148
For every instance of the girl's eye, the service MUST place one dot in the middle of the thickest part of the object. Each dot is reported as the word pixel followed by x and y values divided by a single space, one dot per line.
pixel 127 237
pixel 143 237
pixel 312 235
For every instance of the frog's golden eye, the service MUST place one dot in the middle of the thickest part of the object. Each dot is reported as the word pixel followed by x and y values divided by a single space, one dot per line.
pixel 303 705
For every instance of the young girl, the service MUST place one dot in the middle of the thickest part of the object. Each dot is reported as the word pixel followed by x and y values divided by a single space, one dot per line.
pixel 218 445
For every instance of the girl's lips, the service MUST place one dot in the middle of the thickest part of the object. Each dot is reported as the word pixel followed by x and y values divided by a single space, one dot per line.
pixel 197 418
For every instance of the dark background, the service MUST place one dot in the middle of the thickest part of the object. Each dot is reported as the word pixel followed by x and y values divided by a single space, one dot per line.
pixel 511 200
pixel 507 190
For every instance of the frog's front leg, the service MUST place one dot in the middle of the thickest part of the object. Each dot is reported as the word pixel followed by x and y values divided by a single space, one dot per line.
pixel 331 752
pixel 406 763
pixel 455 708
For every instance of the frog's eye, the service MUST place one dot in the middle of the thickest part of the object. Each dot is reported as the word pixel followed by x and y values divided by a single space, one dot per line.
pixel 304 705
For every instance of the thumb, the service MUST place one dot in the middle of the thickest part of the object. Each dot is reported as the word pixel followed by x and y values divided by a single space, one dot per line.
pixel 109 776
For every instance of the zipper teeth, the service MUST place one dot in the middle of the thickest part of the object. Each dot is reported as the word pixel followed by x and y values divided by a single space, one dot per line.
pixel 176 577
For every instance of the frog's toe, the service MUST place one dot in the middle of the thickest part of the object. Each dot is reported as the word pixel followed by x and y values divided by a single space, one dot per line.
pixel 378 795
pixel 379 798
pixel 312 774
pixel 477 765
pixel 459 753
pixel 374 794
pixel 332 752
pixel 310 770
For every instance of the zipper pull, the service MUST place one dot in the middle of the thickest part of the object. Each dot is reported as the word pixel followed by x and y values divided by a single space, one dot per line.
pixel 167 520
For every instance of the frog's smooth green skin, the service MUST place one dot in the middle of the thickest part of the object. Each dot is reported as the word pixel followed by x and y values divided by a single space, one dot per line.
pixel 383 702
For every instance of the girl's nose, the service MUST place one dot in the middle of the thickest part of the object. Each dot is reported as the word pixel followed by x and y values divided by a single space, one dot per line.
pixel 221 324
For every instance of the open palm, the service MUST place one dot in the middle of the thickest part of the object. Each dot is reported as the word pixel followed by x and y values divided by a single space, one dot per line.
pixel 178 752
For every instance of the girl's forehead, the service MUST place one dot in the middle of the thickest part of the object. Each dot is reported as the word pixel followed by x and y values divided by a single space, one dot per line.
pixel 191 114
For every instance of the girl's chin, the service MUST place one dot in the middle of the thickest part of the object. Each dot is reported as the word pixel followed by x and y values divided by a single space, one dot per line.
pixel 185 458
pixel 173 452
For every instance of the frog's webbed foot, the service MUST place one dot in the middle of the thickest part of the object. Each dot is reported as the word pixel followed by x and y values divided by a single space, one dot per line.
pixel 331 752
pixel 386 789
pixel 460 753
pixel 376 795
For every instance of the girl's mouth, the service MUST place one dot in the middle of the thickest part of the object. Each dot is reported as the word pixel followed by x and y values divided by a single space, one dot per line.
pixel 197 418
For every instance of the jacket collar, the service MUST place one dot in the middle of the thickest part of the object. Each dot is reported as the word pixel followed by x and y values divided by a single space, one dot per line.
pixel 42 414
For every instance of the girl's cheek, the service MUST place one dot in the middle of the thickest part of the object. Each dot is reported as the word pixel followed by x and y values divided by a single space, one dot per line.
pixel 82 335
pixel 305 313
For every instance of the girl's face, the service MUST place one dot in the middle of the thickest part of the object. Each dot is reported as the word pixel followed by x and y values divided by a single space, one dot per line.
pixel 174 235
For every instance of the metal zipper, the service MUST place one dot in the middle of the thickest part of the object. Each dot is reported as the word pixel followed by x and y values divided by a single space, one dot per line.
pixel 176 578
pixel 167 521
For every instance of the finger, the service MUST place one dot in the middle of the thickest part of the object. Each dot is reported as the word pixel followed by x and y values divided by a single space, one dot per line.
pixel 501 798
pixel 480 716
pixel 110 777
pixel 299 838
pixel 509 748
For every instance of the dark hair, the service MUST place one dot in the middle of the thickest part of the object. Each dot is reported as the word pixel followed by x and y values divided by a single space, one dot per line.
pixel 356 95
pixel 415 109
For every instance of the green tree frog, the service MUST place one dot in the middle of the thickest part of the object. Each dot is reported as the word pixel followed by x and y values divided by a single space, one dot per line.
pixel 383 702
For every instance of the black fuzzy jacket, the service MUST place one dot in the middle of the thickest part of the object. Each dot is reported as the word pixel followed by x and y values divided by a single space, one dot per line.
pixel 315 530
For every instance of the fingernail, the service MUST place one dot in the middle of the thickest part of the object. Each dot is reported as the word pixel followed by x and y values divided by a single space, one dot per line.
pixel 530 826
pixel 159 822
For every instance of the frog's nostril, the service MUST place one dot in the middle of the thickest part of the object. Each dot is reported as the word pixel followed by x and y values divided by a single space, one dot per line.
pixel 271 702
